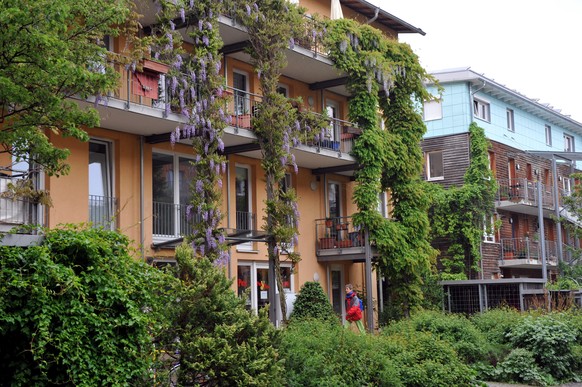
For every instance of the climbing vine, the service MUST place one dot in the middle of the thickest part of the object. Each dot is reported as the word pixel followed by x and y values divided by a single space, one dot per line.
pixel 273 26
pixel 196 91
pixel 385 76
pixel 461 214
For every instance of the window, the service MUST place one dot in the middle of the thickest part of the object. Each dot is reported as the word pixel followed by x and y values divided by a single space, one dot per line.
pixel 283 90
pixel 252 281
pixel 481 110
pixel 433 110
pixel 101 200
pixel 568 143
pixel 489 230
pixel 244 214
pixel 382 204
pixel 171 177
pixel 434 166
pixel 548 135
pixel 333 200
pixel 567 184
pixel 510 120
pixel 332 109
pixel 241 97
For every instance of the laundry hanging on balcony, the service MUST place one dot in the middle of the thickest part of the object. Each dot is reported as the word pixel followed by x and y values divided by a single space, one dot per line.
pixel 336 10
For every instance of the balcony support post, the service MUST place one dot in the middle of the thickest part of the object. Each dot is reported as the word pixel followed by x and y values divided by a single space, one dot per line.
pixel 542 232
pixel 368 269
pixel 557 208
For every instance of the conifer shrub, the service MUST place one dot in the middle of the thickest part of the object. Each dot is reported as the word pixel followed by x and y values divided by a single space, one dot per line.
pixel 312 303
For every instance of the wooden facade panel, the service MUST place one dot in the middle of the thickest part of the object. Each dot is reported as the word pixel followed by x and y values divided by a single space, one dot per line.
pixel 455 150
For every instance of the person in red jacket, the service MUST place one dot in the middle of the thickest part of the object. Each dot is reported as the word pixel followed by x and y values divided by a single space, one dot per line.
pixel 353 310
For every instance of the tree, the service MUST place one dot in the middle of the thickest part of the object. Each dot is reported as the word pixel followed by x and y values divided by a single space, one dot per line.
pixel 51 51
pixel 219 342
pixel 312 302
pixel 77 310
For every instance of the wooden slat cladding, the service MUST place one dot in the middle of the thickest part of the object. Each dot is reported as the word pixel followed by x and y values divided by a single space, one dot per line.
pixel 455 150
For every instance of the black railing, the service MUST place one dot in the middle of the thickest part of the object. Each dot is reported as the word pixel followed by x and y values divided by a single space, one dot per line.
pixel 171 220
pixel 337 233
pixel 103 211
pixel 245 220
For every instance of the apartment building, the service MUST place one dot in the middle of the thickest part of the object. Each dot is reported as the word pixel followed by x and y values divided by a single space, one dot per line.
pixel 130 177
pixel 532 155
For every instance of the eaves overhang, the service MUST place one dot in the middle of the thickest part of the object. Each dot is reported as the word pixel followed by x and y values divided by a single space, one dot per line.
pixel 369 10
pixel 497 90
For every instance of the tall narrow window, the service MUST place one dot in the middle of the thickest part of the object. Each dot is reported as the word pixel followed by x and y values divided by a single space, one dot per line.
pixel 568 143
pixel 241 97
pixel 333 200
pixel 171 177
pixel 510 120
pixel 434 168
pixel 548 129
pixel 101 200
pixel 243 210
pixel 332 109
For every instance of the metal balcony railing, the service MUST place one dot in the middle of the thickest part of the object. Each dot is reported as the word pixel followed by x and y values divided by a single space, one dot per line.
pixel 103 211
pixel 523 190
pixel 171 220
pixel 527 248
pixel 337 233
pixel 17 211
pixel 245 221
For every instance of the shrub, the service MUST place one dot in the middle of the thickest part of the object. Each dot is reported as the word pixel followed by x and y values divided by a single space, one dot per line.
pixel 76 310
pixel 520 366
pixel 312 303
pixel 550 341
pixel 495 324
pixel 457 330
pixel 317 353
pixel 422 359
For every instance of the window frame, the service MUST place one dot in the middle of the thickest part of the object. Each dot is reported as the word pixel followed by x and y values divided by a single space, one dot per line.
pixel 548 131
pixel 510 116
pixel 569 143
pixel 433 113
pixel 481 109
pixel 429 176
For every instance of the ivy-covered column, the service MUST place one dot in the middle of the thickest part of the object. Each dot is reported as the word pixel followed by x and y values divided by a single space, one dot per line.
pixel 385 79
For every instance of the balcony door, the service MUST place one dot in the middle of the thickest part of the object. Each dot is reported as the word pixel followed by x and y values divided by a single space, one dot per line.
pixel 244 210
pixel 171 178
pixel 332 109
pixel 102 204
pixel 334 199
pixel 240 83
pixel 337 289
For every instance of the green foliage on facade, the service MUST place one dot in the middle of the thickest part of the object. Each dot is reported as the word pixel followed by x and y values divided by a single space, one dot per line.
pixel 49 51
pixel 77 310
pixel 219 342
pixel 462 214
pixel 313 303
pixel 196 91
pixel 385 76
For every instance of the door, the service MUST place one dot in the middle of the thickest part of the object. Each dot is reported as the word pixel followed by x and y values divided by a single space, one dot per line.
pixel 513 183
pixel 333 131
pixel 243 214
pixel 337 287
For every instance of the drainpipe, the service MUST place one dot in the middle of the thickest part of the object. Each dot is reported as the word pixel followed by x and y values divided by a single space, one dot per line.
pixel 141 198
pixel 372 20
pixel 228 207
pixel 541 231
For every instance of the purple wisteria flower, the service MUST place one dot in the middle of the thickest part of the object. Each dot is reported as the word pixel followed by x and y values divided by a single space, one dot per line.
pixel 199 186
pixel 183 15
pixel 248 9
pixel 291 43
pixel 172 25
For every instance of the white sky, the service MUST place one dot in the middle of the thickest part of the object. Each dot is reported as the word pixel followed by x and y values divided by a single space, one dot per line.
pixel 531 46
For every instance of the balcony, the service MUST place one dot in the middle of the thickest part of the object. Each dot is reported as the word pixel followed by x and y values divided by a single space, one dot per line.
pixel 338 239
pixel 103 211
pixel 171 221
pixel 18 211
pixel 526 253
pixel 521 196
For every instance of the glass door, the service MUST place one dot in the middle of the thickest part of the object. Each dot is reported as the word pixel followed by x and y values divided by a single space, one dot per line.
pixel 101 201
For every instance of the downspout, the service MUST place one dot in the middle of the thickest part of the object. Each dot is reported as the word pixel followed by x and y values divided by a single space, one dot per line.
pixel 228 207
pixel 141 198
pixel 372 20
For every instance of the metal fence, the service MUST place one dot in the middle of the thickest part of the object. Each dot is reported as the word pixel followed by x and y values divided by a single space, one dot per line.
pixel 103 211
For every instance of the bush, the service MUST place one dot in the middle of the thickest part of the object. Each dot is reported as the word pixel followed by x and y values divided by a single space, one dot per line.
pixel 520 366
pixel 457 330
pixel 552 343
pixel 76 310
pixel 422 359
pixel 312 303
pixel 220 342
pixel 317 353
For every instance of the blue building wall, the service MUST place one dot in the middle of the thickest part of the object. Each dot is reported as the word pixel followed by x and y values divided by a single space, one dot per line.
pixel 529 134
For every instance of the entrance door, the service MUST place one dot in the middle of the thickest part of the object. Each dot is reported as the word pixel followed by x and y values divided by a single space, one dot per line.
pixel 244 218
pixel 337 287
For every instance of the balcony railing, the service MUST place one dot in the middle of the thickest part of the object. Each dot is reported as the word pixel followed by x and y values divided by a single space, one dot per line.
pixel 528 249
pixel 103 211
pixel 523 190
pixel 245 221
pixel 17 211
pixel 171 220
pixel 337 233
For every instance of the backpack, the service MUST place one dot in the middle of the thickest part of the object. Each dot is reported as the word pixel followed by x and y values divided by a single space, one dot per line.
pixel 361 304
